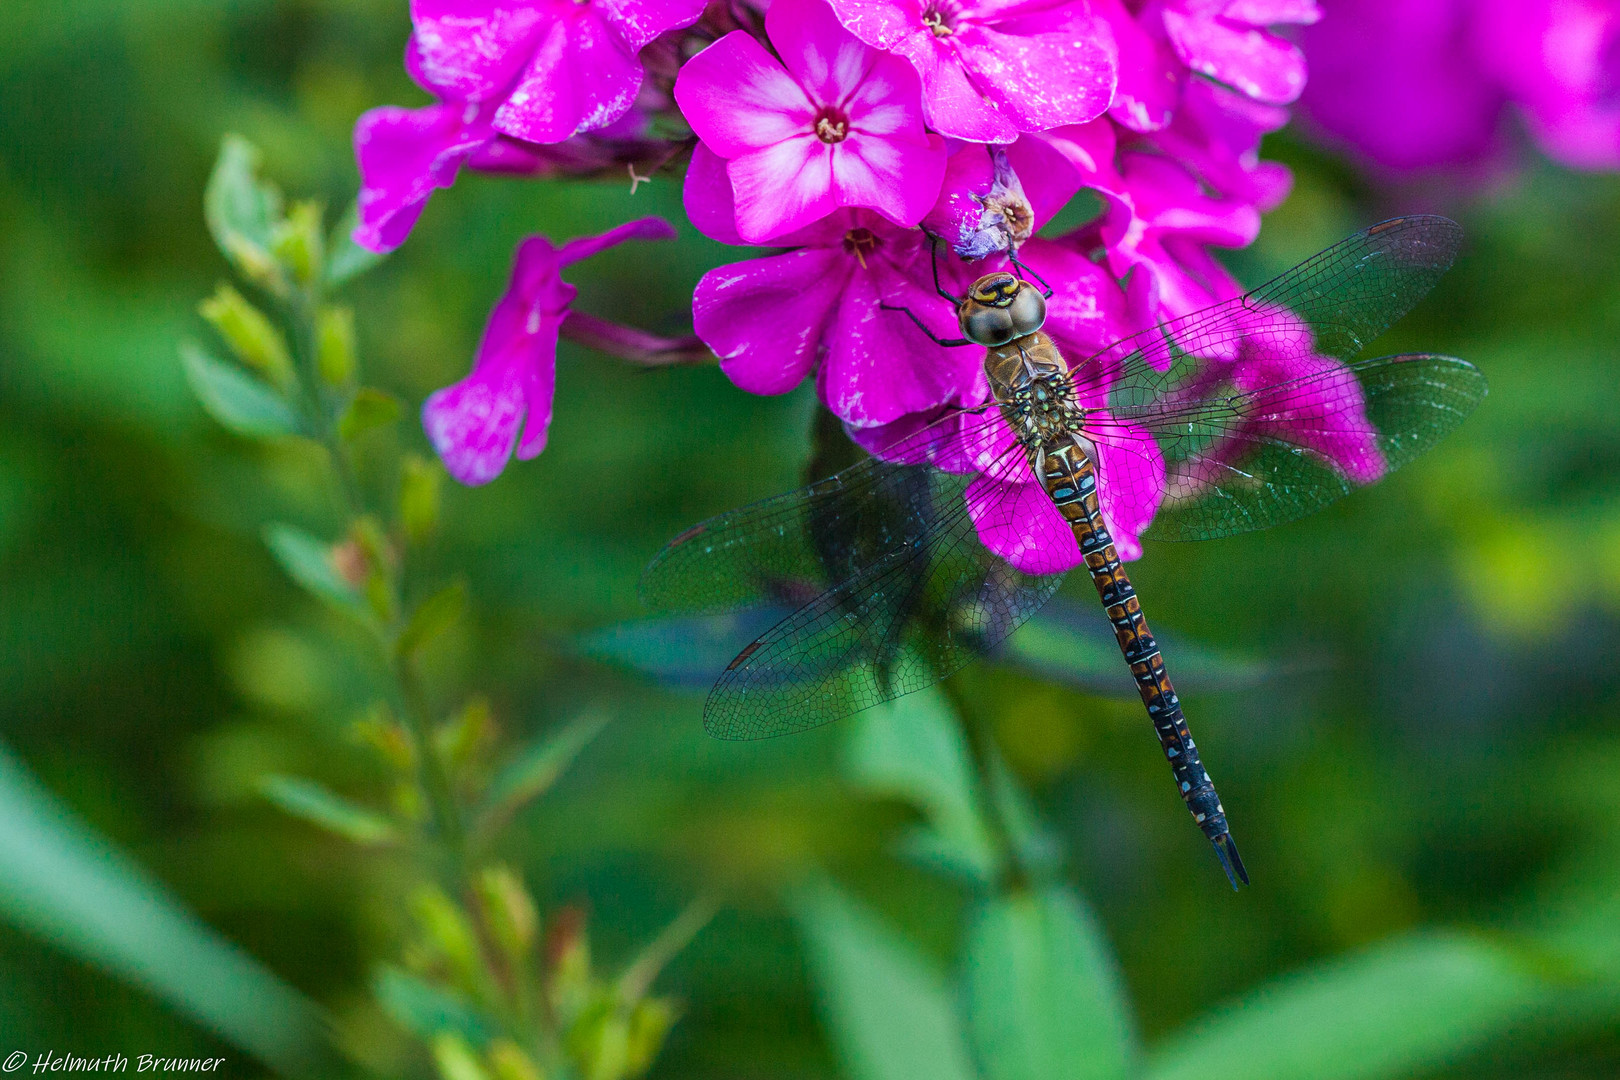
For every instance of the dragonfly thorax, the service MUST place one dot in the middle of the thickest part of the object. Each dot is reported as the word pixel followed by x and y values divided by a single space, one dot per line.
pixel 1030 380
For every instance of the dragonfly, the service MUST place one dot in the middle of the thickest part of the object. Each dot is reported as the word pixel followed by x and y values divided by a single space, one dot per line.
pixel 886 583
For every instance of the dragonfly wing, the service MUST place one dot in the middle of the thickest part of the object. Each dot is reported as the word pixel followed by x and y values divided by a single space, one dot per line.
pixel 1260 456
pixel 791 548
pixel 904 621
pixel 1333 304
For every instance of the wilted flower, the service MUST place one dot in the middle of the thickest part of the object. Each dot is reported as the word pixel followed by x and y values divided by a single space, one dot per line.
pixel 831 124
pixel 474 423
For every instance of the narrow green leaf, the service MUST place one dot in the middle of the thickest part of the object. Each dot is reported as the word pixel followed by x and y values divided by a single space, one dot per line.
pixel 251 335
pixel 887 1011
pixel 64 883
pixel 236 399
pixel 1397 1010
pixel 315 804
pixel 244 213
pixel 1044 999
pixel 348 260
pixel 425 1010
pixel 536 768
pixel 912 749
pixel 370 408
pixel 419 489
pixel 432 617
pixel 308 561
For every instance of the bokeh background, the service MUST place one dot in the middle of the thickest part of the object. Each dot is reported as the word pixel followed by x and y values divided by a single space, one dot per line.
pixel 1411 701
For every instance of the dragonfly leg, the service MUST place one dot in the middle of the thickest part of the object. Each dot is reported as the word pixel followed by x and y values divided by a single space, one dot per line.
pixel 949 344
pixel 933 258
pixel 1023 268
pixel 1070 480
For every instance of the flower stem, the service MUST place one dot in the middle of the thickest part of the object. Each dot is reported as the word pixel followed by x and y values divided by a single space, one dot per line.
pixel 633 345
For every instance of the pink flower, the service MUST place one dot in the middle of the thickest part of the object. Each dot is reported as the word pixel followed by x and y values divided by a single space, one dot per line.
pixel 993 68
pixel 986 204
pixel 553 68
pixel 832 124
pixel 1159 224
pixel 1227 40
pixel 1422 84
pixel 1559 60
pixel 775 320
pixel 474 423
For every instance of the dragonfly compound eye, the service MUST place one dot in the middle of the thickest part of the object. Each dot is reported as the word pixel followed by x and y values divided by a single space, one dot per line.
pixel 987 326
pixel 1028 310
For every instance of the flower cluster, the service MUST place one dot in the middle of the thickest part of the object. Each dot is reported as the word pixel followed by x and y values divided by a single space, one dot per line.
pixel 1425 84
pixel 851 133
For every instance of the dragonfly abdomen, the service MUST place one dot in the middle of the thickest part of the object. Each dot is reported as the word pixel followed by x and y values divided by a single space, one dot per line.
pixel 1070 480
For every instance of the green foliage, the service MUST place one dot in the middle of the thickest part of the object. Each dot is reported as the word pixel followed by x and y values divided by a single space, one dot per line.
pixel 889 1012
pixel 318 806
pixel 1043 999
pixel 237 400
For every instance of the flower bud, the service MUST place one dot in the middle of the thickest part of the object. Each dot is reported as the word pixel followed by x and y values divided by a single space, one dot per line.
pixel 250 334
pixel 509 911
pixel 334 346
pixel 297 242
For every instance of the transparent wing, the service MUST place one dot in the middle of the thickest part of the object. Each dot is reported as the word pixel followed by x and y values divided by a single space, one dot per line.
pixel 903 621
pixel 893 589
pixel 792 547
pixel 1243 457
pixel 1336 302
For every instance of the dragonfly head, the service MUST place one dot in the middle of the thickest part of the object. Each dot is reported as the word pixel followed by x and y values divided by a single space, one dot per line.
pixel 1000 307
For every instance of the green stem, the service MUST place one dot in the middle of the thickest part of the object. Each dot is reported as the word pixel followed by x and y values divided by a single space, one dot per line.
pixel 981 748
pixel 638 977
pixel 431 775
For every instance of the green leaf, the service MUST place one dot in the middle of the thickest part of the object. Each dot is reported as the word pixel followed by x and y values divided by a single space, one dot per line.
pixel 308 561
pixel 536 768
pixel 244 214
pixel 315 804
pixel 425 1010
pixel 236 399
pixel 250 334
pixel 1044 999
pixel 370 408
pixel 419 489
pixel 64 883
pixel 1399 1009
pixel 912 749
pixel 348 260
pixel 887 1011
pixel 431 618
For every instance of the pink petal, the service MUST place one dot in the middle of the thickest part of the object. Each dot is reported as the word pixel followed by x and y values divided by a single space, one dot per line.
pixel 824 58
pixel 1326 414
pixel 639 21
pixel 707 197
pixel 1130 483
pixel 471 49
pixel 1150 77
pixel 879 366
pixel 782 188
pixel 1042 78
pixel 472 423
pixel 737 97
pixel 897 177
pixel 403 155
pixel 1018 522
pixel 580 78
pixel 1271 12
pixel 1262 65
pixel 765 318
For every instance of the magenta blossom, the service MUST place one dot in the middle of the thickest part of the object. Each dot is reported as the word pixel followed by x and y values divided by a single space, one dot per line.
pixel 1228 41
pixel 1158 227
pixel 474 423
pixel 775 320
pixel 1424 84
pixel 551 68
pixel 404 156
pixel 993 68
pixel 833 124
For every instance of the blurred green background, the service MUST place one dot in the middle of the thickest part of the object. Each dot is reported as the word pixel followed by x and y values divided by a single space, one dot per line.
pixel 1431 757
